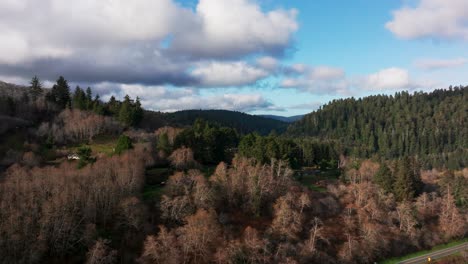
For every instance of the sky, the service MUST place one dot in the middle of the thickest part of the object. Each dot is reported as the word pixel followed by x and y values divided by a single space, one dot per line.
pixel 256 56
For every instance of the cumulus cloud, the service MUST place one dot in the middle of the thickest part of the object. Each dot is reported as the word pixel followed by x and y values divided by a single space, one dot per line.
pixel 161 98
pixel 141 41
pixel 318 80
pixel 232 28
pixel 268 63
pixel 438 19
pixel 435 64
pixel 216 74
pixel 326 73
pixel 392 79
pixel 325 80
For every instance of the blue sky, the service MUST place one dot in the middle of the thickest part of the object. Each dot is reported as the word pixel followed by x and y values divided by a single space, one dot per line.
pixel 261 57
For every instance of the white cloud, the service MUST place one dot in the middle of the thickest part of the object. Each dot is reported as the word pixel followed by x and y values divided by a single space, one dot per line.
pixel 227 28
pixel 156 42
pixel 268 63
pixel 318 80
pixel 165 99
pixel 326 73
pixel 434 64
pixel 217 74
pixel 440 19
pixel 325 80
pixel 307 106
pixel 391 79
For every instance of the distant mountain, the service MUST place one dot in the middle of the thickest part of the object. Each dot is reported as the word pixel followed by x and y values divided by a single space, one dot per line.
pixel 242 122
pixel 287 119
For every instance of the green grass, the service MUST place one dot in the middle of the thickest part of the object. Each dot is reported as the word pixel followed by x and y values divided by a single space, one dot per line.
pixel 153 192
pixel 153 189
pixel 310 180
pixel 424 252
pixel 103 144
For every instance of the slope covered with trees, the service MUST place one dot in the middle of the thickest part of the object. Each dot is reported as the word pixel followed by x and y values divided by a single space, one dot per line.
pixel 242 122
pixel 84 183
pixel 433 126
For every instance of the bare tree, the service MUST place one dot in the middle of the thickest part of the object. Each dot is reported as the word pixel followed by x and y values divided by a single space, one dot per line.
pixel 199 236
pixel 101 253
pixel 182 158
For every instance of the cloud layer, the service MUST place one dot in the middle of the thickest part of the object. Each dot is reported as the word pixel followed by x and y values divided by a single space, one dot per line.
pixel 435 64
pixel 168 100
pixel 141 41
pixel 435 19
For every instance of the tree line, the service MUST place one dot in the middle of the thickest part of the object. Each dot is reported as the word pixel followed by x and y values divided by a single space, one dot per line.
pixel 128 111
pixel 432 126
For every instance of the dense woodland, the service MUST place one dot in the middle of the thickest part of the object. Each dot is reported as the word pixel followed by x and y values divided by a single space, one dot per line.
pixel 88 181
pixel 432 126
pixel 243 123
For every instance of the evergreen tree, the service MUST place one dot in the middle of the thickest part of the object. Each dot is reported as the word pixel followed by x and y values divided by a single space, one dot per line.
pixel 60 93
pixel 79 99
pixel 407 185
pixel 163 143
pixel 113 106
pixel 123 143
pixel 125 113
pixel 137 112
pixel 89 99
pixel 36 88
pixel 130 113
pixel 384 178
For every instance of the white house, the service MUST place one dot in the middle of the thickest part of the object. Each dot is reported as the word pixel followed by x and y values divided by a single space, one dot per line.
pixel 73 156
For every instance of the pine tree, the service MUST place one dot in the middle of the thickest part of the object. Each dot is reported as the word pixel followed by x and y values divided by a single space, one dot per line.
pixel 125 113
pixel 137 112
pixel 60 93
pixel 36 88
pixel 89 99
pixel 163 143
pixel 79 99
pixel 405 187
pixel 123 143
pixel 384 178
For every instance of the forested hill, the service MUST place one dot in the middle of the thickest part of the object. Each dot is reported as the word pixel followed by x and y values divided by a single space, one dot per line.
pixel 402 124
pixel 242 122
pixel 287 119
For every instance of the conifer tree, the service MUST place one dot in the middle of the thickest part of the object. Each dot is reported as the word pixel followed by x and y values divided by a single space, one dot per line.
pixel 60 93
pixel 384 178
pixel 36 88
pixel 407 184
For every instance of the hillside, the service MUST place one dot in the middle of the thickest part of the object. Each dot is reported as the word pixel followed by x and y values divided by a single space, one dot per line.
pixel 287 119
pixel 242 122
pixel 402 124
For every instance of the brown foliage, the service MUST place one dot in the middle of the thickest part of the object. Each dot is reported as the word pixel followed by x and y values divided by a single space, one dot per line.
pixel 171 132
pixel 250 185
pixel 48 209
pixel 101 253
pixel 76 126
pixel 182 158
pixel 194 242
pixel 185 192
pixel 288 214
pixel 163 248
